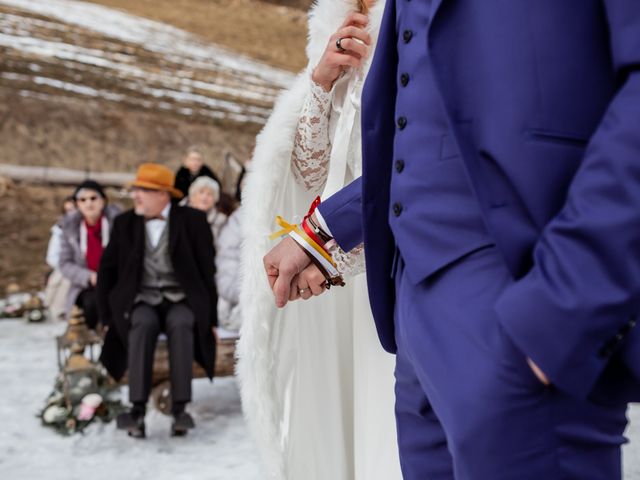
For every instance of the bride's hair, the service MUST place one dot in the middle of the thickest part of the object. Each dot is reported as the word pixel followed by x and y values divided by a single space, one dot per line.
pixel 362 6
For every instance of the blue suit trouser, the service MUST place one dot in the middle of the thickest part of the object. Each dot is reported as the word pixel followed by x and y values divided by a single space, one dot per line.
pixel 468 407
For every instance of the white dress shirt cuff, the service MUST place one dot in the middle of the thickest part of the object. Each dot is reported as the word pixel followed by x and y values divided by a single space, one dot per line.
pixel 322 223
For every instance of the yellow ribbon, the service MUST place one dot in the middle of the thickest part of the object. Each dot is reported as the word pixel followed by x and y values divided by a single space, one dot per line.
pixel 288 228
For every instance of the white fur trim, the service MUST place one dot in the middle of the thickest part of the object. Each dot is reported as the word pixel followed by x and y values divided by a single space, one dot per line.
pixel 270 190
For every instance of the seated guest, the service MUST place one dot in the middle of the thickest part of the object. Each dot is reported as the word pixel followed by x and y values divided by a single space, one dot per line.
pixel 204 194
pixel 85 234
pixel 57 286
pixel 228 256
pixel 193 166
pixel 228 272
pixel 157 276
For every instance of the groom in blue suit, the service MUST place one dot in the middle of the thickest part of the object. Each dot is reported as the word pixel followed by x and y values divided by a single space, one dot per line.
pixel 500 210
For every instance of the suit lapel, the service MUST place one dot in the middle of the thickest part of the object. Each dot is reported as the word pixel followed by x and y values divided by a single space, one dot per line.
pixel 380 82
pixel 435 7
pixel 138 236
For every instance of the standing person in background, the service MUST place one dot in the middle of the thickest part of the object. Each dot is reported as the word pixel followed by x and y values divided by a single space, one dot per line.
pixel 57 288
pixel 316 385
pixel 193 166
pixel 85 234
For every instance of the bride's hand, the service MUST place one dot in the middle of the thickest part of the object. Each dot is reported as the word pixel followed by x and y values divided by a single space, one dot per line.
pixel 308 283
pixel 354 40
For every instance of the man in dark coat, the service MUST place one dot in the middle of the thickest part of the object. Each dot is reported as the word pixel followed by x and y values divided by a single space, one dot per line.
pixel 193 166
pixel 156 275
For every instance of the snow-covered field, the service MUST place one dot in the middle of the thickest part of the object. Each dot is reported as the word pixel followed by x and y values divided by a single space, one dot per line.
pixel 218 449
pixel 75 48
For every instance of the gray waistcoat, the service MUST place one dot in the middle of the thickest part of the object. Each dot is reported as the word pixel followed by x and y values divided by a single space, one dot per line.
pixel 158 279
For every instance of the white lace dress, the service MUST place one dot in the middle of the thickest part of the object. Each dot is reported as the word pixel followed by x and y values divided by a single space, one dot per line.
pixel 312 152
pixel 327 156
pixel 316 386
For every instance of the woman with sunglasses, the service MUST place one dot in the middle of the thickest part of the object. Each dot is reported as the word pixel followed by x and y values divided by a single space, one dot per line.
pixel 85 234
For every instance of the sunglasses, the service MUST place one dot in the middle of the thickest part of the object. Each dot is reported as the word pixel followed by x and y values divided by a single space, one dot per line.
pixel 92 198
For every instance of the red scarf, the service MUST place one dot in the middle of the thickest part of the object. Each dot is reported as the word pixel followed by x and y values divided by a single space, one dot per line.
pixel 94 245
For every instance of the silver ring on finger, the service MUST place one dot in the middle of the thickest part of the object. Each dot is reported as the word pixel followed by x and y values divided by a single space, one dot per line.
pixel 302 291
pixel 339 46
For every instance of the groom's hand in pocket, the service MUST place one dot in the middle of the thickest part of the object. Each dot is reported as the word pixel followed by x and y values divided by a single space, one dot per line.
pixel 538 373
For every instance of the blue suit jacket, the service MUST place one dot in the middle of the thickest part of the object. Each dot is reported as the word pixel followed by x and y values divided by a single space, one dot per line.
pixel 543 100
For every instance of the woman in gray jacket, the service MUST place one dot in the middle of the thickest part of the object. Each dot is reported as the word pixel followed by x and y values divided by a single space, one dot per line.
pixel 85 234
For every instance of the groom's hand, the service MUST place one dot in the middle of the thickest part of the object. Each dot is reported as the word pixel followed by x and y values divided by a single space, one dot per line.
pixel 538 373
pixel 282 264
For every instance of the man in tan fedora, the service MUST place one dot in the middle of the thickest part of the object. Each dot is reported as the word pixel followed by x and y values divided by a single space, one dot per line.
pixel 156 275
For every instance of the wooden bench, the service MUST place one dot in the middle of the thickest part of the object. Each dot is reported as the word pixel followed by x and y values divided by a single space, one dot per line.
pixel 161 385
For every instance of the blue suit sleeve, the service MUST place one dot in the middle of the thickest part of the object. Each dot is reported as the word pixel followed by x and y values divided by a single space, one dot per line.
pixel 577 304
pixel 343 214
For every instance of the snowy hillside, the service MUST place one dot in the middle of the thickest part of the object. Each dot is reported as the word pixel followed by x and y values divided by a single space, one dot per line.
pixel 79 49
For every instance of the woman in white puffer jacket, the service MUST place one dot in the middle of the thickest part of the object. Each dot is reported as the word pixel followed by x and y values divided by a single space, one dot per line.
pixel 228 272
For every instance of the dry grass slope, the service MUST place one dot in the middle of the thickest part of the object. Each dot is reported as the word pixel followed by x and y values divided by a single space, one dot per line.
pixel 271 33
pixel 45 126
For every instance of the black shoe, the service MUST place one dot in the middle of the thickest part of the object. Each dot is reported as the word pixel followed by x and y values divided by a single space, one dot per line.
pixel 182 423
pixel 133 424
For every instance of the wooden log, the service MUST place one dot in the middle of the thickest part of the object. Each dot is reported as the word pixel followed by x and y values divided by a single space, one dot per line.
pixel 224 366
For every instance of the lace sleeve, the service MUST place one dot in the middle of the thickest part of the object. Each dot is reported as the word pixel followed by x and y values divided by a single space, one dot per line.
pixel 349 264
pixel 312 147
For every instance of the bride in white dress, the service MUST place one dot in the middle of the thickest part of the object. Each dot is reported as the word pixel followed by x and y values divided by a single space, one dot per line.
pixel 316 386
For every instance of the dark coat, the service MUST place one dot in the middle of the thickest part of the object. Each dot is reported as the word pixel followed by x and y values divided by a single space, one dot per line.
pixel 120 275
pixel 184 178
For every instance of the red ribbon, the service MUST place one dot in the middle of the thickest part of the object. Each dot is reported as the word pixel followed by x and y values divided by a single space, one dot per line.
pixel 308 229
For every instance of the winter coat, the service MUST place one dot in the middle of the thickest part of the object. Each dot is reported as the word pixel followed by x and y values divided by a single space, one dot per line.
pixel 184 178
pixel 53 247
pixel 72 262
pixel 217 220
pixel 120 276
pixel 228 271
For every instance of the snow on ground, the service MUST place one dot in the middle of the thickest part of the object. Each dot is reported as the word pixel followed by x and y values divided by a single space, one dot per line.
pixel 218 449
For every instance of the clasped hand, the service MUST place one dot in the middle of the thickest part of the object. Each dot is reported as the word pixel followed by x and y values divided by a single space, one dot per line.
pixel 291 274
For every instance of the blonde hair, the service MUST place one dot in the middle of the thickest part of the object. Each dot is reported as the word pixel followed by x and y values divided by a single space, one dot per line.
pixel 362 6
pixel 195 149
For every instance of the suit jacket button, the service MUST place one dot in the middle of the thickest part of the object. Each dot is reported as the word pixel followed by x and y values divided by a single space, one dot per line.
pixel 402 122
pixel 406 36
pixel 404 79
pixel 399 166
pixel 397 209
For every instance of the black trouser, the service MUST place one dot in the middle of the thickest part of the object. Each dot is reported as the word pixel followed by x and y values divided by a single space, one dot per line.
pixel 86 300
pixel 177 321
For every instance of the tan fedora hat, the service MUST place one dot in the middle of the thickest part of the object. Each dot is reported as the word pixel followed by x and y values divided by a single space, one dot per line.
pixel 156 177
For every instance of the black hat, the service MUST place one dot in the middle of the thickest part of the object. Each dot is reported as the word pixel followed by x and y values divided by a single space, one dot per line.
pixel 90 185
